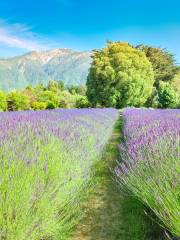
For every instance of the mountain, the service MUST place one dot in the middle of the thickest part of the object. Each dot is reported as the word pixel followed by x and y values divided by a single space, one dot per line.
pixel 59 64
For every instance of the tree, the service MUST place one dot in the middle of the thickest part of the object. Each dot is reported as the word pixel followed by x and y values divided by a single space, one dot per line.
pixel 81 90
pixel 163 63
pixel 167 96
pixel 120 76
pixel 176 82
pixel 153 100
pixel 17 100
pixel 53 86
pixel 82 102
pixel 60 85
pixel 39 87
pixel 50 98
pixel 67 100
pixel 3 102
pixel 176 86
pixel 31 95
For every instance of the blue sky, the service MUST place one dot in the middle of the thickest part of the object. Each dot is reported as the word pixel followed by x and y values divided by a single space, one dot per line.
pixel 27 25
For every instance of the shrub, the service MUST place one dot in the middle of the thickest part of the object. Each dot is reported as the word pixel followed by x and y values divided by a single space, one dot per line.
pixel 50 105
pixel 167 96
pixel 39 105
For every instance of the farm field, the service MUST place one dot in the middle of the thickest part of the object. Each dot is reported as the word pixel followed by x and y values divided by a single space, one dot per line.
pixel 149 166
pixel 89 120
pixel 90 174
pixel 46 160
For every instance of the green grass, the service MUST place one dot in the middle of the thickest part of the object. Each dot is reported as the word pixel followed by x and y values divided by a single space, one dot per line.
pixel 109 213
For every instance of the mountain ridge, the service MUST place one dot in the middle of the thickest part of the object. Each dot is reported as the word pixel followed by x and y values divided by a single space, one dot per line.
pixel 33 67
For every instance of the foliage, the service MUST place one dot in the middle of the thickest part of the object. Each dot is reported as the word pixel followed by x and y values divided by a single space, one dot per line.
pixel 163 63
pixel 67 100
pixel 49 97
pixel 41 97
pixel 176 81
pixel 167 97
pixel 39 105
pixel 51 105
pixel 120 76
pixel 81 90
pixel 176 86
pixel 30 94
pixel 17 100
pixel 60 85
pixel 153 100
pixel 82 102
pixel 46 169
pixel 149 166
pixel 3 103
pixel 53 86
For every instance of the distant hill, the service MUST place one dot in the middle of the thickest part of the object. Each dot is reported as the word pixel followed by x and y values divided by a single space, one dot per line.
pixel 59 64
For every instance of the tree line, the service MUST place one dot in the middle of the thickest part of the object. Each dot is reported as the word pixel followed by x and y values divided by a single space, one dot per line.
pixel 40 97
pixel 120 75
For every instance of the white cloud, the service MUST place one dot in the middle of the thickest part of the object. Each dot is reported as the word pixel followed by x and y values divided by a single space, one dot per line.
pixel 21 36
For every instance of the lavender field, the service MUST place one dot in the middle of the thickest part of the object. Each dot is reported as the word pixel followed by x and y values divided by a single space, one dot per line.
pixel 46 159
pixel 149 166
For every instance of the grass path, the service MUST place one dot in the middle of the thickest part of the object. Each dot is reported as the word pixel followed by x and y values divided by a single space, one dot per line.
pixel 102 216
pixel 109 215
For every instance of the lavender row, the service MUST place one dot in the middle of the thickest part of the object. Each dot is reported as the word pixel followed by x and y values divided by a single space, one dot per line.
pixel 149 163
pixel 45 167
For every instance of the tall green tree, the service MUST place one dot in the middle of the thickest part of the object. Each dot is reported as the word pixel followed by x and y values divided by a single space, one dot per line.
pixel 163 63
pixel 120 76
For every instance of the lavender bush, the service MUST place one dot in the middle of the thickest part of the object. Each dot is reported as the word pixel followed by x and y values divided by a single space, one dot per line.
pixel 45 165
pixel 150 162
